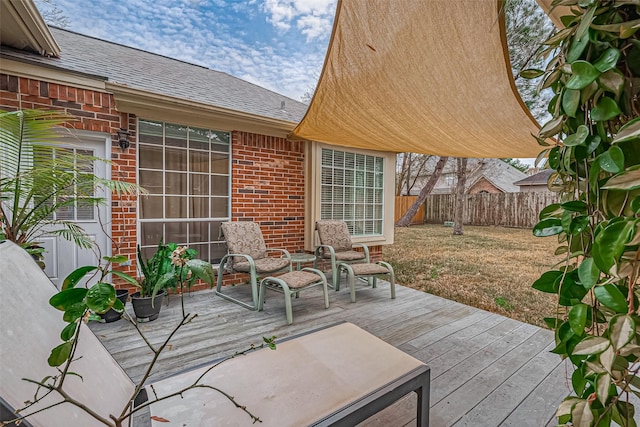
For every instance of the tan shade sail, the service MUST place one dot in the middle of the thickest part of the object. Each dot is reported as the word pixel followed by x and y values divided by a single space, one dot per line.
pixel 422 76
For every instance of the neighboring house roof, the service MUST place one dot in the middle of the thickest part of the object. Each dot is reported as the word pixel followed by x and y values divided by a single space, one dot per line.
pixel 498 173
pixel 541 178
pixel 501 174
pixel 138 69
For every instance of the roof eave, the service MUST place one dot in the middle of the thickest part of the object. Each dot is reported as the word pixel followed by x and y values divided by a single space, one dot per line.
pixel 28 29
pixel 155 106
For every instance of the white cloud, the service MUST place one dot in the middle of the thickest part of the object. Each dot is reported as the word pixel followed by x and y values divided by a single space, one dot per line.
pixel 221 38
pixel 312 17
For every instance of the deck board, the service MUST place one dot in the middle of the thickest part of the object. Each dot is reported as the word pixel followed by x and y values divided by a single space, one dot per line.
pixel 487 370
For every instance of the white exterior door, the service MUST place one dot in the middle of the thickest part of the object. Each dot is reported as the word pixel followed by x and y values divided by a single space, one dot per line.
pixel 62 256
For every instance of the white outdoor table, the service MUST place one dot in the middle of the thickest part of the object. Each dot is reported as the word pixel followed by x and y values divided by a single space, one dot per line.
pixel 336 376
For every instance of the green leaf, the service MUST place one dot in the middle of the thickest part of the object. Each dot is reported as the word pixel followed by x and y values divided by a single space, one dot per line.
pixel 531 73
pixel 67 298
pixel 578 318
pixel 626 413
pixel 73 313
pixel 202 270
pixel 69 331
pixel 622 329
pixel 575 206
pixel 118 306
pixel 570 102
pixel 100 297
pixel 116 259
pixel 60 354
pixel 548 282
pixel 607 60
pixel 579 224
pixel 612 160
pixel 591 345
pixel 612 81
pixel 578 381
pixel 627 29
pixel 628 132
pixel 76 275
pixel 551 322
pixel 606 109
pixel 609 244
pixel 610 296
pixel 547 227
pixel 126 277
pixel 582 75
pixel 577 138
pixel 570 291
pixel 603 381
pixel 552 127
pixel 588 273
pixel 581 415
pixel 627 180
pixel 549 211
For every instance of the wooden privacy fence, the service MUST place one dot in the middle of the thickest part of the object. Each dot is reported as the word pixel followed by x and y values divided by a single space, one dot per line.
pixel 402 205
pixel 504 209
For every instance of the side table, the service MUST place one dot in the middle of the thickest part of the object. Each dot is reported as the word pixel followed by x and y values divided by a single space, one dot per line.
pixel 300 258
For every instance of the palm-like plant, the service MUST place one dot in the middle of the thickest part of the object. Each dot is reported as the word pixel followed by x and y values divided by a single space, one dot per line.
pixel 39 177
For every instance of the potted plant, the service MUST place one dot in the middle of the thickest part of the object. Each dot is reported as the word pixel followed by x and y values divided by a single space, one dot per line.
pixel 38 179
pixel 594 71
pixel 110 304
pixel 170 267
pixel 157 275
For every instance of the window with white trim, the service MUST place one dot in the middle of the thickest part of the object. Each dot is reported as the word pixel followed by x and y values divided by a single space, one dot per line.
pixel 352 189
pixel 186 171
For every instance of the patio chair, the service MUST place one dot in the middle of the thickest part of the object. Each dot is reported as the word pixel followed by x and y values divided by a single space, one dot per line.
pixel 248 253
pixel 31 327
pixel 336 246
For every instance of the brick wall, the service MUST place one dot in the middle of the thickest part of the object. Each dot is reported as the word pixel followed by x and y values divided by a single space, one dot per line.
pixel 483 185
pixel 267 175
pixel 267 187
pixel 94 111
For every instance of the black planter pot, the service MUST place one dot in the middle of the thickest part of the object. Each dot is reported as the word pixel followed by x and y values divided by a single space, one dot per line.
pixel 112 315
pixel 145 310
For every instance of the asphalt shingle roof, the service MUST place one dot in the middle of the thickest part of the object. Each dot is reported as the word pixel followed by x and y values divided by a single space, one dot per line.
pixel 162 75
pixel 540 178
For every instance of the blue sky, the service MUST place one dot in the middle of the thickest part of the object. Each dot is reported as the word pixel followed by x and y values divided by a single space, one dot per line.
pixel 277 44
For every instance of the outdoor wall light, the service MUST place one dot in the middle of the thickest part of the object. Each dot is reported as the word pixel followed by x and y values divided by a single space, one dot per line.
pixel 123 138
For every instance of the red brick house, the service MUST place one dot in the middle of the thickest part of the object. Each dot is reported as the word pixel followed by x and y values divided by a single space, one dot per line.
pixel 208 147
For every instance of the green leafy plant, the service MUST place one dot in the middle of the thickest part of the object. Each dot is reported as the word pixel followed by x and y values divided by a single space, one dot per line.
pixel 157 271
pixel 594 72
pixel 172 266
pixel 39 177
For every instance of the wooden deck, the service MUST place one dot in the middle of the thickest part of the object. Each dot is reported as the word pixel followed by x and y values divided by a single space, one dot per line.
pixel 487 370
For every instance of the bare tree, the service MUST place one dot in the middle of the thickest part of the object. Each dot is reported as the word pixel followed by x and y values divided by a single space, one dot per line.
pixel 409 168
pixel 458 215
pixel 527 27
pixel 411 212
pixel 52 14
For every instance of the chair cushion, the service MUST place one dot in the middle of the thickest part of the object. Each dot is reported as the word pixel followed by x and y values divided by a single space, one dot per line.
pixel 244 238
pixel 334 233
pixel 299 279
pixel 368 269
pixel 345 256
pixel 263 265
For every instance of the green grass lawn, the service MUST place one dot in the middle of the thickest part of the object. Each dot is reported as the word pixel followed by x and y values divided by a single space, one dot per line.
pixel 491 268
